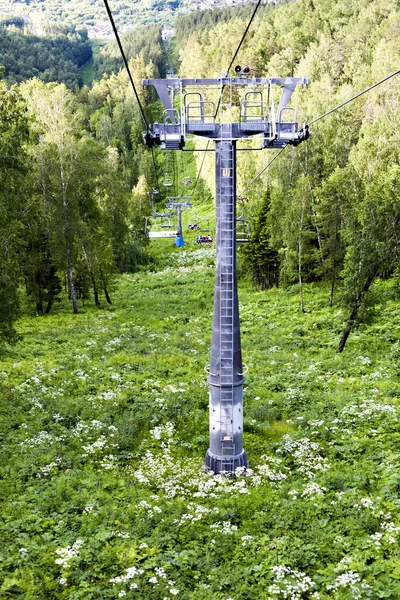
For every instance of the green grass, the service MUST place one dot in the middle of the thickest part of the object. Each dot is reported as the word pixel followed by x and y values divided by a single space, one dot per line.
pixel 87 71
pixel 104 424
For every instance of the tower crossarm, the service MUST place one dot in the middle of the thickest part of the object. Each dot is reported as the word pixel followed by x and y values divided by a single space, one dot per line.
pixel 199 116
pixel 205 82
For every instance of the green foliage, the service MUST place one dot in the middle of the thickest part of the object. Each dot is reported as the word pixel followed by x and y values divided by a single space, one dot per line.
pixel 104 414
pixel 55 58
pixel 106 420
pixel 48 15
pixel 333 209
pixel 141 41
pixel 258 255
pixel 13 168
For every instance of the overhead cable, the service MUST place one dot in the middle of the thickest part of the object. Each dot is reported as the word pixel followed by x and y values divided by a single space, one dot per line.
pixel 125 61
pixel 155 169
pixel 132 82
pixel 244 35
pixel 238 48
pixel 325 115
pixel 354 97
pixel 201 166
pixel 262 171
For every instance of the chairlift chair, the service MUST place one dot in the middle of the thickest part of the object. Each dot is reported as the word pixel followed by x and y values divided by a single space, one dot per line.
pixel 202 225
pixel 193 225
pixel 165 228
pixel 287 125
pixel 167 181
pixel 242 226
pixel 205 228
pixel 204 239
pixel 167 222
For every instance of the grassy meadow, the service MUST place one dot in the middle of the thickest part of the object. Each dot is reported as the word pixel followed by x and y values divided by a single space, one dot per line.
pixel 104 429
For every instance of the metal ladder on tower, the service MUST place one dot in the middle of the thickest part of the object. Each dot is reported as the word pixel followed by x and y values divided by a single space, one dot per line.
pixel 227 230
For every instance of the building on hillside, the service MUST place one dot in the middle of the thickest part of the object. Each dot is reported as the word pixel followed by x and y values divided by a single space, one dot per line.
pixel 167 33
pixel 100 30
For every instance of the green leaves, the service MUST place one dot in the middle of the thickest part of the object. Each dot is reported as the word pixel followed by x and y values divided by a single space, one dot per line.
pixel 13 133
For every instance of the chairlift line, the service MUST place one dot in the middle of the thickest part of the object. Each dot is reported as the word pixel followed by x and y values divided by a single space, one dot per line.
pixel 199 118
pixel 202 163
pixel 257 116
pixel 155 169
pixel 237 51
pixel 125 61
pixel 131 80
pixel 262 171
pixel 243 36
pixel 242 225
pixel 354 97
pixel 374 85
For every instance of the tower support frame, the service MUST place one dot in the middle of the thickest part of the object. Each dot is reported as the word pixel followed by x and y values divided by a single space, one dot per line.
pixel 197 116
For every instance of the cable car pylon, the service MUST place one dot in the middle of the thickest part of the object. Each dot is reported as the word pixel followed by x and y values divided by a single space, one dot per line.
pixel 198 116
pixel 179 203
pixel 161 225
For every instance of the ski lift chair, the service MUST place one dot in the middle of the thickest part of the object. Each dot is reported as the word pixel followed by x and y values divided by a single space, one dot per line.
pixel 199 113
pixel 167 181
pixel 205 228
pixel 253 113
pixel 163 229
pixel 167 222
pixel 193 225
pixel 242 226
pixel 204 239
pixel 287 126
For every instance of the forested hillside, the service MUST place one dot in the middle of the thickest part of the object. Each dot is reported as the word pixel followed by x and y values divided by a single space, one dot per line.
pixel 80 13
pixel 55 58
pixel 104 334
pixel 143 42
pixel 128 14
pixel 332 210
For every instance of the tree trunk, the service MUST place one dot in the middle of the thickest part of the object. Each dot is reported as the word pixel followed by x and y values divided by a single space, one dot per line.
pixel 301 293
pixel 315 221
pixel 121 266
pixel 107 295
pixel 67 246
pixel 95 292
pixel 332 285
pixel 356 308
pixel 300 249
pixel 92 277
pixel 333 272
pixel 347 331
pixel 39 307
pixel 49 305
pixel 71 282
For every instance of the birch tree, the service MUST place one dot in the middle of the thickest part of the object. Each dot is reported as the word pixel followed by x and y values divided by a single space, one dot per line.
pixel 67 160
